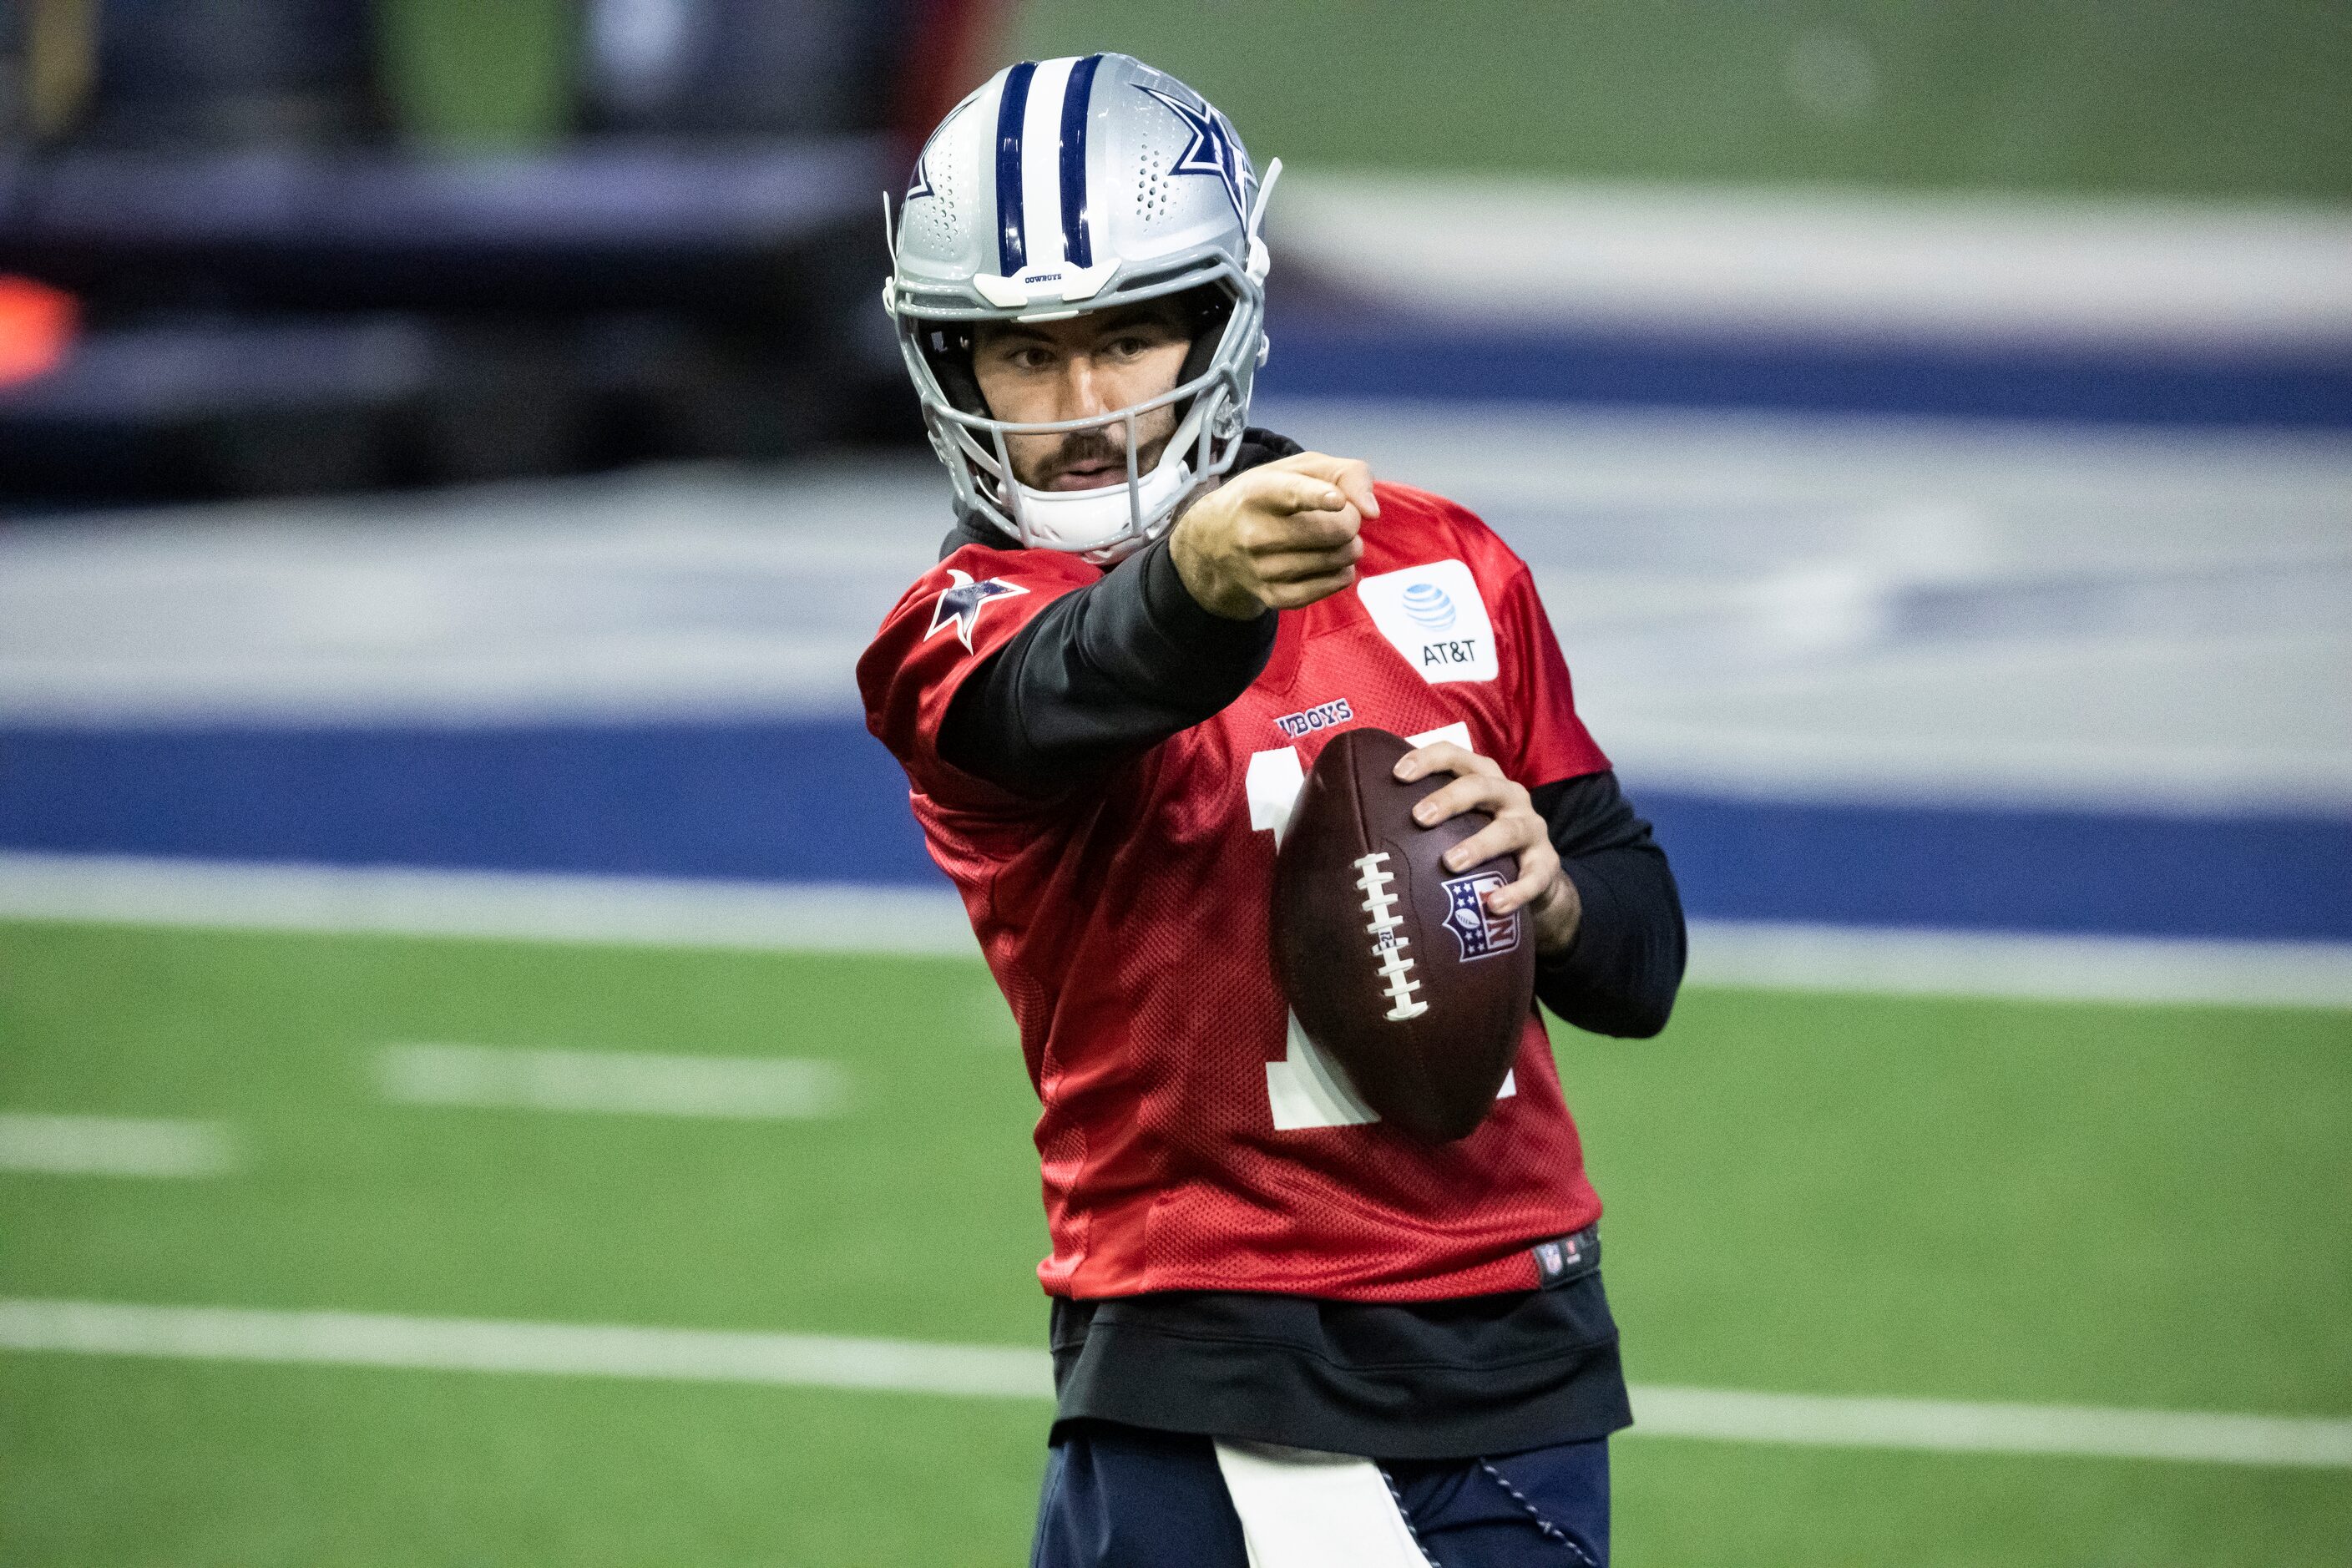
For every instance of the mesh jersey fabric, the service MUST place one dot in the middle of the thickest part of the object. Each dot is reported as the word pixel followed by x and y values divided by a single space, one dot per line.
pixel 1128 926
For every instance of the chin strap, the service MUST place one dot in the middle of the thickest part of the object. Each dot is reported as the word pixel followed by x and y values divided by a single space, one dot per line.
pixel 1102 520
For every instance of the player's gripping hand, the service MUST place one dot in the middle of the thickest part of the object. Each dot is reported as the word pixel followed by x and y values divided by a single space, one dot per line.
pixel 1543 890
pixel 1282 535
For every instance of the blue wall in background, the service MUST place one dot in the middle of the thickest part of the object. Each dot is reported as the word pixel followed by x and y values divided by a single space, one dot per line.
pixel 820 800
pixel 1317 355
pixel 817 800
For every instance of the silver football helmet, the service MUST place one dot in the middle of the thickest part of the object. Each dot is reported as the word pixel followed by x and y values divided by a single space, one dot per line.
pixel 1067 185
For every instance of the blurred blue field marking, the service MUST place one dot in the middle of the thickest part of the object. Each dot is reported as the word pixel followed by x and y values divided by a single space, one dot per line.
pixel 826 1361
pixel 815 800
pixel 818 800
pixel 1406 359
pixel 1975 867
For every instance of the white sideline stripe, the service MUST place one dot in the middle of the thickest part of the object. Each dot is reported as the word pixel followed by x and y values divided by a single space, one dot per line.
pixel 1969 267
pixel 1773 956
pixel 470 1344
pixel 825 1361
pixel 1947 1425
pixel 524 906
pixel 630 1082
pixel 849 918
pixel 113 1146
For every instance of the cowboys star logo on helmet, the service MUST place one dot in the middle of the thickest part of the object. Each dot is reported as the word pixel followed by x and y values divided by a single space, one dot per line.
pixel 1213 150
pixel 1070 185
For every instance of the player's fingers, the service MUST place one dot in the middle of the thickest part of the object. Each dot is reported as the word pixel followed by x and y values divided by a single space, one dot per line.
pixel 1519 833
pixel 1352 475
pixel 1469 792
pixel 1291 565
pixel 1539 864
pixel 1282 491
pixel 1311 530
pixel 1444 756
pixel 1298 595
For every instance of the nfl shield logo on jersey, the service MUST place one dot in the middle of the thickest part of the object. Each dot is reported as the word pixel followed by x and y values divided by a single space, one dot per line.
pixel 1482 933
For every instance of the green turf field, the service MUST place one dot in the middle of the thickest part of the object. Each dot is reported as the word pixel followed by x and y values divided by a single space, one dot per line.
pixel 2142 1208
pixel 2194 98
pixel 2189 98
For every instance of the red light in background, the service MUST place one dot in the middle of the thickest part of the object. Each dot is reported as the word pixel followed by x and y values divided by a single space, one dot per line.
pixel 37 328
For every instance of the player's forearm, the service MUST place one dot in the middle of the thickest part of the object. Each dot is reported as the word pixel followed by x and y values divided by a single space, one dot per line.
pixel 1099 676
pixel 1620 974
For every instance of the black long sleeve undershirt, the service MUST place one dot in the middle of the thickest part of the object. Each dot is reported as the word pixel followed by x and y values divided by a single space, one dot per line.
pixel 1099 675
pixel 1620 974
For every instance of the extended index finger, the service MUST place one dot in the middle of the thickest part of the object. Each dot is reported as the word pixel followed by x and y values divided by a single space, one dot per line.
pixel 1352 476
pixel 1290 490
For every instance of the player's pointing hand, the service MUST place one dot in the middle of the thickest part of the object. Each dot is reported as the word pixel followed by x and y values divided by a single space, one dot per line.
pixel 1279 536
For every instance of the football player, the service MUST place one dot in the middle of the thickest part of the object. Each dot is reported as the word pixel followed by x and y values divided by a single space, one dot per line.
pixel 1283 1332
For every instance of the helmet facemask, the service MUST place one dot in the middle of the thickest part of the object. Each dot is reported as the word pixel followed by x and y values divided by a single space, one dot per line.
pixel 1210 398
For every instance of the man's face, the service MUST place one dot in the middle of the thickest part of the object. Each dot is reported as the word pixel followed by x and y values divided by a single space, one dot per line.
pixel 1045 372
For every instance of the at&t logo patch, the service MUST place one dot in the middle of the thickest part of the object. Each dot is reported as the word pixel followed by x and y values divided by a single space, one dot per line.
pixel 1433 615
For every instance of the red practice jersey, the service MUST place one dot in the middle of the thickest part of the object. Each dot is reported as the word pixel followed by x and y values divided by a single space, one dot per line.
pixel 1193 1138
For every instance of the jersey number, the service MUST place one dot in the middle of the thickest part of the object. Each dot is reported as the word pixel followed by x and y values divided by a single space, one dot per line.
pixel 1306 1088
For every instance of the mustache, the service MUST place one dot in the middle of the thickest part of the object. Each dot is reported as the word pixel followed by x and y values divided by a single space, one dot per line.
pixel 1080 447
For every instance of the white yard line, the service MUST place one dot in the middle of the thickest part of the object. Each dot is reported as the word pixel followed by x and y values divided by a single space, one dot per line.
pixel 825 1361
pixel 629 1082
pixel 1973 268
pixel 520 906
pixel 1948 1426
pixel 841 917
pixel 113 1146
pixel 1776 956
pixel 468 1344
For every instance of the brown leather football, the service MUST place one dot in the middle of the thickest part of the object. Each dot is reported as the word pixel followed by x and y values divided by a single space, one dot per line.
pixel 1391 961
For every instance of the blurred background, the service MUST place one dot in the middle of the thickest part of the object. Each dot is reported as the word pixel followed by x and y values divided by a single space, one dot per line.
pixel 488 1071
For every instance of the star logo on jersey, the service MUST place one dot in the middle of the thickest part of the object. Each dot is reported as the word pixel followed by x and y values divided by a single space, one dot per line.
pixel 1213 150
pixel 959 606
pixel 1480 932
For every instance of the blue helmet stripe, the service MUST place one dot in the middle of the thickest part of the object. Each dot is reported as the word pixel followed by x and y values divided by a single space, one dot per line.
pixel 1077 239
pixel 1012 246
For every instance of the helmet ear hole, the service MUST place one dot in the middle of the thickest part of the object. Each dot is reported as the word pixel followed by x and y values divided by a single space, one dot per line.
pixel 948 350
pixel 1206 311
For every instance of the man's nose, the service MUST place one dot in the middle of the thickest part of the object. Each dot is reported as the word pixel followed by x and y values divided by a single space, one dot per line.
pixel 1083 392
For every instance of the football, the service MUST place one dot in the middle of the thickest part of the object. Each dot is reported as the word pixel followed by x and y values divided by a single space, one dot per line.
pixel 1392 963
